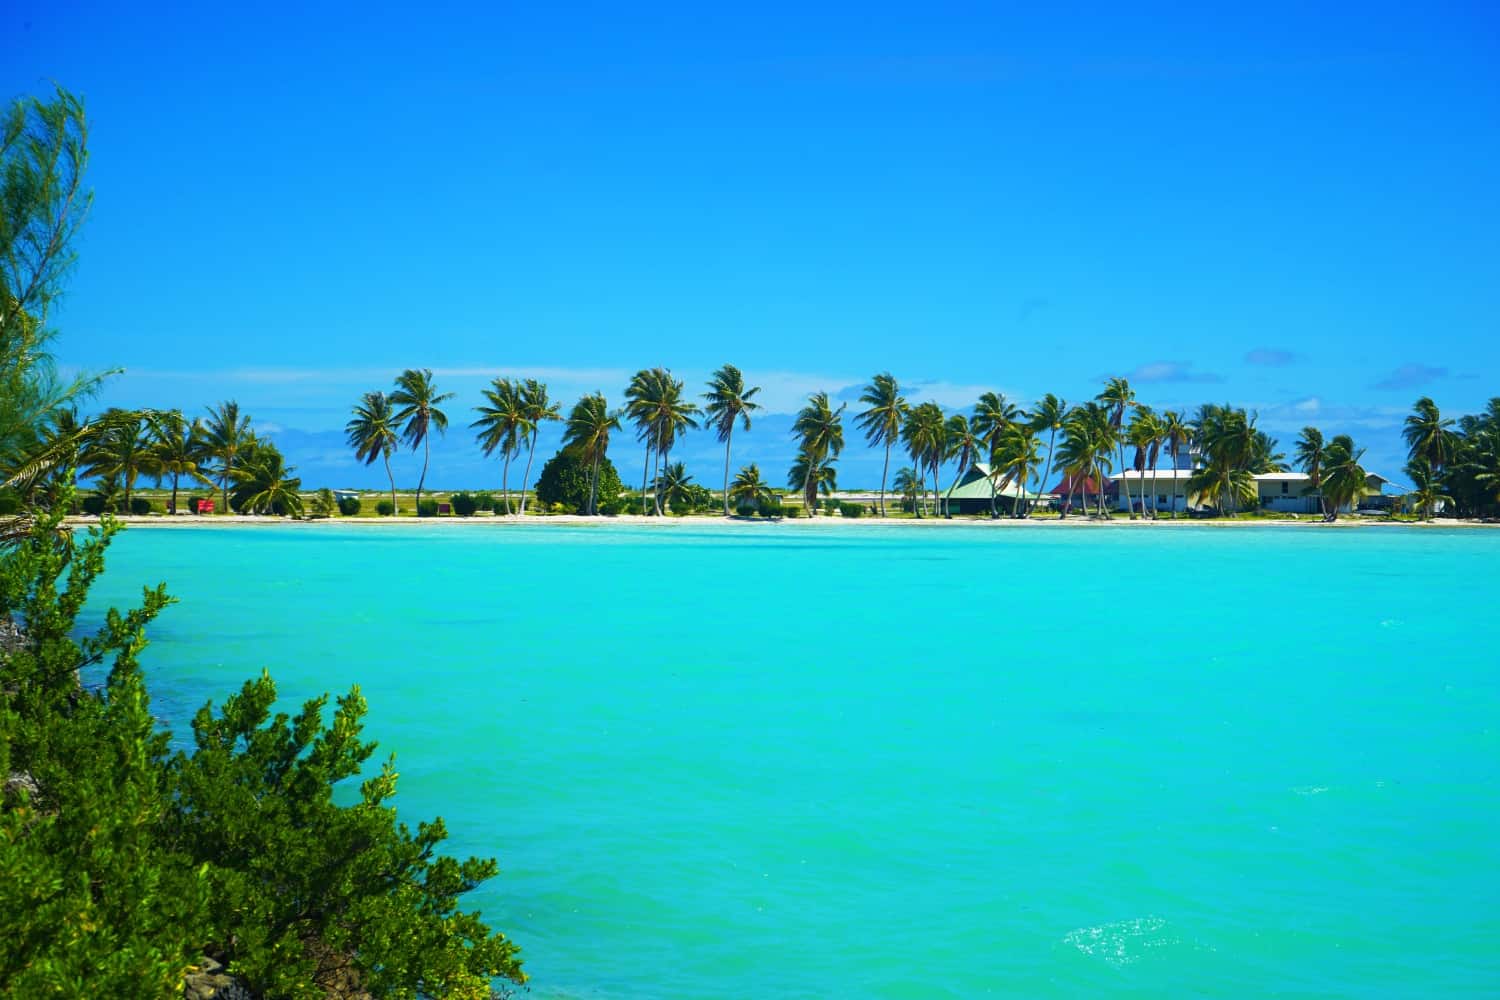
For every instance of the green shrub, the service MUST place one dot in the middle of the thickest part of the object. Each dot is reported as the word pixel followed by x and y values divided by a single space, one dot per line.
pixel 484 501
pixel 851 509
pixel 94 504
pixel 427 508
pixel 464 504
pixel 385 508
pixel 140 506
pixel 9 504
pixel 565 480
pixel 349 506
pixel 790 511
pixel 504 508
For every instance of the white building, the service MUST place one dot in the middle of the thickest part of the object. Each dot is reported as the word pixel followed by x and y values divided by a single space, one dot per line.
pixel 1284 492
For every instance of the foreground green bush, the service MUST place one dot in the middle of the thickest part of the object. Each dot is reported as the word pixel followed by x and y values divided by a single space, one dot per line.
pixel 464 504
pixel 385 508
pixel 123 864
pixel 565 480
pixel 349 506
pixel 427 508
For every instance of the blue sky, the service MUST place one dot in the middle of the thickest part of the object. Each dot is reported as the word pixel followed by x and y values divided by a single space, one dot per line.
pixel 1287 208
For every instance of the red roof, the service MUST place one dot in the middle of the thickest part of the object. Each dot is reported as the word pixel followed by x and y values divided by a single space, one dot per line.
pixel 1080 484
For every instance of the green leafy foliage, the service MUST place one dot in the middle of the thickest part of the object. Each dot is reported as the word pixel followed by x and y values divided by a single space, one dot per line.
pixel 349 506
pixel 464 504
pixel 565 480
pixel 122 865
pixel 427 508
pixel 385 508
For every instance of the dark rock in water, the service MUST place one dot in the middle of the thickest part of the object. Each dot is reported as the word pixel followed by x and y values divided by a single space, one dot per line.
pixel 209 981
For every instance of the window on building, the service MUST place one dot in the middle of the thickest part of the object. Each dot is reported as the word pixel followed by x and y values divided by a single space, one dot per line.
pixel 1285 487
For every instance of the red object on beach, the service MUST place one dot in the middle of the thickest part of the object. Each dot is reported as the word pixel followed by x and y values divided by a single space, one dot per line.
pixel 205 506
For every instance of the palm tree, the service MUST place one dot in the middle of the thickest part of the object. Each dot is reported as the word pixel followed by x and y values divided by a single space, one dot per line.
pixel 501 425
pixel 674 416
pixel 1309 454
pixel 1015 459
pixel 589 426
pixel 642 399
pixel 264 482
pixel 673 484
pixel 910 485
pixel 538 409
pixel 1144 434
pixel 881 420
pixel 993 415
pixel 1176 434
pixel 728 401
pixel 748 489
pixel 125 450
pixel 177 446
pixel 1429 437
pixel 961 446
pixel 419 414
pixel 1344 479
pixel 812 474
pixel 1118 397
pixel 925 434
pixel 820 430
pixel 1087 445
pixel 1427 489
pixel 371 432
pixel 1048 416
pixel 225 433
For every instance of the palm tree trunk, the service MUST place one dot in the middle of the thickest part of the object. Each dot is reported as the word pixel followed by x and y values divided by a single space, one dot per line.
pixel 1124 484
pixel 531 454
pixel 937 485
pixel 1051 440
pixel 661 460
pixel 1174 486
pixel 174 493
pixel 728 440
pixel 884 472
pixel 391 476
pixel 504 483
pixel 646 477
pixel 594 487
pixel 422 479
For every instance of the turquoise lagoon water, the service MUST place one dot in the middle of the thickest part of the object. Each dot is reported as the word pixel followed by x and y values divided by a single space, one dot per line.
pixel 866 761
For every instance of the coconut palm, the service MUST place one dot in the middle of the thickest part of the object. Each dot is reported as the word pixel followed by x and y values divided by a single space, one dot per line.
pixel 1015 460
pixel 1048 416
pixel 1427 488
pixel 1177 435
pixel 502 425
pixel 1117 398
pixel 1429 438
pixel 371 432
pixel 925 434
pixel 729 401
pixel 675 415
pixel 672 486
pixel 124 450
pixel 537 409
pixel 819 429
pixel 419 415
pixel 812 474
pixel 993 415
pixel 748 489
pixel 177 447
pixel 1144 435
pixel 589 427
pixel 909 484
pixel 1088 442
pixel 642 399
pixel 881 420
pixel 961 447
pixel 224 433
pixel 1309 456
pixel 1345 481
pixel 264 483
